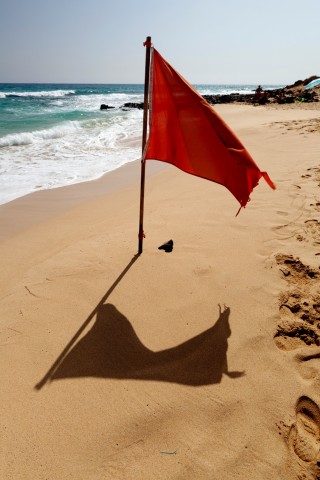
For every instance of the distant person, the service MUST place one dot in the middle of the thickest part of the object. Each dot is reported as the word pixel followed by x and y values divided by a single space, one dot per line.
pixel 258 94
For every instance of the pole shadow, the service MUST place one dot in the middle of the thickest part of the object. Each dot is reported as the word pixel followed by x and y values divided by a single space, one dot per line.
pixel 73 340
pixel 112 349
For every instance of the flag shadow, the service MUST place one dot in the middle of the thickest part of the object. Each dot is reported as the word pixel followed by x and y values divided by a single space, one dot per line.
pixel 49 375
pixel 112 349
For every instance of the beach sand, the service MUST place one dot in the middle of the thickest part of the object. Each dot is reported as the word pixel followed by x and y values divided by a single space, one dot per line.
pixel 202 363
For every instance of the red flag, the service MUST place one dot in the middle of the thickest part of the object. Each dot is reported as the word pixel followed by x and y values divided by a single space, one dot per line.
pixel 186 132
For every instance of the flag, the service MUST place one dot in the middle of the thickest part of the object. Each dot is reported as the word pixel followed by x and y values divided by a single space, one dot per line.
pixel 185 131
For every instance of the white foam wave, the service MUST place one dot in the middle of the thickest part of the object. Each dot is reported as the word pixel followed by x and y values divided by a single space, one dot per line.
pixel 27 138
pixel 44 93
pixel 243 91
pixel 92 102
pixel 71 152
pixel 225 91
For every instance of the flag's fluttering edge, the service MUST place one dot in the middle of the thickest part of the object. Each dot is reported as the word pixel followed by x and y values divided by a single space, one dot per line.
pixel 186 132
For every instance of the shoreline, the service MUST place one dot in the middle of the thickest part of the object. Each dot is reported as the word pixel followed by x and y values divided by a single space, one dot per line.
pixel 202 352
pixel 36 207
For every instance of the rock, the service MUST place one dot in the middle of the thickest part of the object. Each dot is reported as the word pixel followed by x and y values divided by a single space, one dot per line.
pixel 302 83
pixel 232 97
pixel 289 94
pixel 105 107
pixel 140 106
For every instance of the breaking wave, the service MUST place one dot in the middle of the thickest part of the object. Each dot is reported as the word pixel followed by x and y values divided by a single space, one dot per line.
pixel 44 93
pixel 27 138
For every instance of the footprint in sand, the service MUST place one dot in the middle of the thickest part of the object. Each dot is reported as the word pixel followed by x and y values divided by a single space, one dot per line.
pixel 299 307
pixel 316 206
pixel 293 267
pixel 312 228
pixel 202 271
pixel 304 435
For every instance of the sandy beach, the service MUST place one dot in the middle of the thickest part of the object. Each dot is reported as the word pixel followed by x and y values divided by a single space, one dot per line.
pixel 202 363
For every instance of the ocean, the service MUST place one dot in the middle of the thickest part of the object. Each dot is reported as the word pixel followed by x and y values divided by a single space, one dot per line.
pixel 53 135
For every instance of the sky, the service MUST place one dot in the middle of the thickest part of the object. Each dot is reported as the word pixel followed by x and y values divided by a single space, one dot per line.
pixel 207 41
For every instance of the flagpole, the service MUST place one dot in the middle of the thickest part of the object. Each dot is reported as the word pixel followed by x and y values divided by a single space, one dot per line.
pixel 144 139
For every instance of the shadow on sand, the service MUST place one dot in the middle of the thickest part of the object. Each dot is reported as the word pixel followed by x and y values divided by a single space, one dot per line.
pixel 112 349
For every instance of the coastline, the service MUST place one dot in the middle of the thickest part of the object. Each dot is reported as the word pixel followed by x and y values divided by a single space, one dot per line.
pixel 32 208
pixel 166 365
pixel 40 206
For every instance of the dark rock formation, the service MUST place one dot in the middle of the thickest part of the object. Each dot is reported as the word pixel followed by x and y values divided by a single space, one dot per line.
pixel 231 98
pixel 302 83
pixel 290 94
pixel 140 106
pixel 105 107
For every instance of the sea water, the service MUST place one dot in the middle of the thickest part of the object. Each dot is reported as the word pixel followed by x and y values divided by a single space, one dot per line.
pixel 54 135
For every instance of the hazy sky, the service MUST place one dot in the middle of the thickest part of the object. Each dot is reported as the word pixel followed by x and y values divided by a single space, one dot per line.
pixel 207 41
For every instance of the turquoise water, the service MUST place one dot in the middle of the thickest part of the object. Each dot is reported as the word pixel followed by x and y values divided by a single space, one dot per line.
pixel 55 134
pixel 27 107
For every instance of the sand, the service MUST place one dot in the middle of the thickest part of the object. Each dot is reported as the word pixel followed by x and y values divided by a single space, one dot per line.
pixel 202 363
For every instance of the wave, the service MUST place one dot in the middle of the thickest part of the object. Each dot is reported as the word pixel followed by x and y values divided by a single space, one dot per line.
pixel 107 128
pixel 27 138
pixel 44 93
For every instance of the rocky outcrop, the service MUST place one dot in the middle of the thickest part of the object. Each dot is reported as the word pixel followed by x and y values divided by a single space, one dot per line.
pixel 290 94
pixel 126 106
pixel 231 98
pixel 140 106
pixel 105 107
pixel 302 83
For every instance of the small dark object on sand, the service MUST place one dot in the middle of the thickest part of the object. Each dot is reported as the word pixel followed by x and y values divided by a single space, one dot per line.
pixel 167 247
